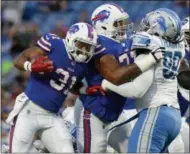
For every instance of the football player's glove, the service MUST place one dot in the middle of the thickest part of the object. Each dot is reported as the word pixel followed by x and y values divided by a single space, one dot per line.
pixel 41 64
pixel 95 90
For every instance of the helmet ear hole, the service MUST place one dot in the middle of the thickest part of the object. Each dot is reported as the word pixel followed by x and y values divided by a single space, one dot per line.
pixel 67 40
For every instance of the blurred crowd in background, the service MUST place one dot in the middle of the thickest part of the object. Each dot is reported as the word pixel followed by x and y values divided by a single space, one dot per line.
pixel 23 22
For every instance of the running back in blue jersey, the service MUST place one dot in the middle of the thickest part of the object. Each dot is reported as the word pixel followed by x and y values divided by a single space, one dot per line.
pixel 49 91
pixel 109 107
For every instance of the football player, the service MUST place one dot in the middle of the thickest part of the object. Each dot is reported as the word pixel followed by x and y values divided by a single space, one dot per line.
pixel 55 65
pixel 97 112
pixel 159 120
pixel 181 143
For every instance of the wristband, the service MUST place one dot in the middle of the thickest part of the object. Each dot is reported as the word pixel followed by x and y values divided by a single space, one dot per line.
pixel 145 63
pixel 27 66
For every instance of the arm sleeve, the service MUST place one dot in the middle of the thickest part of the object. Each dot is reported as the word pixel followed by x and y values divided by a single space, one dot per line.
pixel 46 42
pixel 135 89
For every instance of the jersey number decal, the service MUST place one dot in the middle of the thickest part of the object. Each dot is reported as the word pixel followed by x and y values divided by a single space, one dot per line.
pixel 63 81
pixel 171 64
pixel 124 58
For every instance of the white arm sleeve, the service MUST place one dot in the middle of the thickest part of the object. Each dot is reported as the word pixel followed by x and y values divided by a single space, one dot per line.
pixel 135 89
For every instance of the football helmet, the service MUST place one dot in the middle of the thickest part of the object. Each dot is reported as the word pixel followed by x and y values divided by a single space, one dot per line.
pixel 164 23
pixel 80 42
pixel 111 21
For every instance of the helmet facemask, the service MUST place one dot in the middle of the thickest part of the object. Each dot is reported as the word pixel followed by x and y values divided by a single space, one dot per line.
pixel 186 34
pixel 122 27
pixel 82 50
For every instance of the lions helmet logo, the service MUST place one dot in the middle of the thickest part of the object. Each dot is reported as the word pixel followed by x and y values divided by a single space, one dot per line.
pixel 162 23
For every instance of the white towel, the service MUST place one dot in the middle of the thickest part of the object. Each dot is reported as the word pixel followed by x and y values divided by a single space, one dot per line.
pixel 19 104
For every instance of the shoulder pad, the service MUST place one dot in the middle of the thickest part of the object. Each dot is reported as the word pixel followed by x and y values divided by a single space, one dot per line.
pixel 105 45
pixel 140 40
pixel 45 42
pixel 143 40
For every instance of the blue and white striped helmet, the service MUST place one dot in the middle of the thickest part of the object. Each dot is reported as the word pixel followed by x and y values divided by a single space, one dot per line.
pixel 164 23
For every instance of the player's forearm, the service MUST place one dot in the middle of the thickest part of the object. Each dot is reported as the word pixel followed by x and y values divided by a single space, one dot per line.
pixel 125 90
pixel 70 100
pixel 24 60
pixel 24 56
pixel 19 62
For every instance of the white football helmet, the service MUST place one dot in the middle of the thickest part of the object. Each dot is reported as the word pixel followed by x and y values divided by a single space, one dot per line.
pixel 80 42
pixel 164 23
pixel 111 21
pixel 185 30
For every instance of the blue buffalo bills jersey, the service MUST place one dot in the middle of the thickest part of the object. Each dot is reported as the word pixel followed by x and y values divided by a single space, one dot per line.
pixel 108 107
pixel 50 90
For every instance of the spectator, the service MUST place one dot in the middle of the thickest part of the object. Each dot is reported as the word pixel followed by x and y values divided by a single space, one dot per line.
pixel 183 3
pixel 64 7
pixel 84 17
pixel 30 10
pixel 60 29
pixel 22 39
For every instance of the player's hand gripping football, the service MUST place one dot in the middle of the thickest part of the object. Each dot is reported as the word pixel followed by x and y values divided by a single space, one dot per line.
pixel 42 64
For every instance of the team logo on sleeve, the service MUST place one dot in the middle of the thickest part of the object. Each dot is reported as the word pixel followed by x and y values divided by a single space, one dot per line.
pixel 74 29
pixel 101 16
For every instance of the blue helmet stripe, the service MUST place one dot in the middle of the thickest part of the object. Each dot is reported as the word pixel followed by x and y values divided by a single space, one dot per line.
pixel 90 35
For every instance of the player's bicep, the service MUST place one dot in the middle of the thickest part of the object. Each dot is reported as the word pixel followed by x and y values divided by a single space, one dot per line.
pixel 106 65
pixel 32 53
pixel 134 89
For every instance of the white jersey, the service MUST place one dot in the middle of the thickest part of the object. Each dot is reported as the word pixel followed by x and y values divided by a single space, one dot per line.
pixel 164 87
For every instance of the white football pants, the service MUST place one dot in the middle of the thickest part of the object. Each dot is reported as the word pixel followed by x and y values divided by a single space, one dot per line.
pixel 33 119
